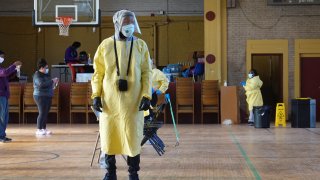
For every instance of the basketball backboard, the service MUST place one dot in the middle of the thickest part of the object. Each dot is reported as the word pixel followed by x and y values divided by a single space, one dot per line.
pixel 83 12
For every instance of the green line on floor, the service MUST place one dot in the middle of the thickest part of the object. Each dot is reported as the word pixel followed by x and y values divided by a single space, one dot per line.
pixel 244 154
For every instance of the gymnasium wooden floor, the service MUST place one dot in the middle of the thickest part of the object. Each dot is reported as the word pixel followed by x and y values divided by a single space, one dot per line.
pixel 205 152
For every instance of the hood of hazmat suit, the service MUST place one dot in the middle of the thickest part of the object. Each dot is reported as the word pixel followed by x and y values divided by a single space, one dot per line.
pixel 118 20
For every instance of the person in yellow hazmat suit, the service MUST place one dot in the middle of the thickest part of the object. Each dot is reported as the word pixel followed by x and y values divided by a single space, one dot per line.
pixel 160 83
pixel 254 97
pixel 121 90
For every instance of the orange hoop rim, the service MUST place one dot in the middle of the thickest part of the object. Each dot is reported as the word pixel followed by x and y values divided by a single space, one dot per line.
pixel 65 20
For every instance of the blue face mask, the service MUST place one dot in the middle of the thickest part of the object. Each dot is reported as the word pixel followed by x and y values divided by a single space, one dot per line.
pixel 46 71
pixel 127 30
pixel 250 76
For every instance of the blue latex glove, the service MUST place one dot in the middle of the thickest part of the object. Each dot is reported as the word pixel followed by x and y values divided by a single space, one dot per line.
pixel 167 97
pixel 152 90
pixel 158 92
pixel 242 83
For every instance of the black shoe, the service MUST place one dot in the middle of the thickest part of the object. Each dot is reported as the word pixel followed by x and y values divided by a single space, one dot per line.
pixel 110 176
pixel 5 139
pixel 133 177
pixel 250 123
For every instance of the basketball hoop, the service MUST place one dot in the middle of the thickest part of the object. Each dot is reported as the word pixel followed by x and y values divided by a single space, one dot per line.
pixel 64 23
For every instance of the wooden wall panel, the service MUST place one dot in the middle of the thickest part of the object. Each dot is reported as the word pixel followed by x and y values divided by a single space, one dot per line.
pixel 173 40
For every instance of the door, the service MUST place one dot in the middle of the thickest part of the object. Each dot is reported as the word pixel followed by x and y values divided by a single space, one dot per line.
pixel 269 69
pixel 310 81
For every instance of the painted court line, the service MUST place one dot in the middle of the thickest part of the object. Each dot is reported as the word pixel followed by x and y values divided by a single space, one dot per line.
pixel 244 155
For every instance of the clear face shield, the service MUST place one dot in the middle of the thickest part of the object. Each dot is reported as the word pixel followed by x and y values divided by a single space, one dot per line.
pixel 125 23
pixel 127 26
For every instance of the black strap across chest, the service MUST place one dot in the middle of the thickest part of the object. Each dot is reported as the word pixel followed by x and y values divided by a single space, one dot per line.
pixel 116 54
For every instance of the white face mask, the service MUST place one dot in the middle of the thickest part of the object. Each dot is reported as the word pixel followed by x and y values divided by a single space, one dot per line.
pixel 46 71
pixel 127 30
pixel 250 76
pixel 1 60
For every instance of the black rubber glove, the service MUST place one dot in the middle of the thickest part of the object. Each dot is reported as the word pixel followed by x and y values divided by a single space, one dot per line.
pixel 97 104
pixel 145 104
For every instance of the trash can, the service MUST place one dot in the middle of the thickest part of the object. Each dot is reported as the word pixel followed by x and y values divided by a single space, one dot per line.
pixel 303 113
pixel 261 116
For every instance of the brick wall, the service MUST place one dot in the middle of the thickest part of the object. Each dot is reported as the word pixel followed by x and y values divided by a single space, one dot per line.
pixel 255 20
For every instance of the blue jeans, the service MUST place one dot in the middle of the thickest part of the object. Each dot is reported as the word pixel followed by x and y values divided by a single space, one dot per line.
pixel 4 116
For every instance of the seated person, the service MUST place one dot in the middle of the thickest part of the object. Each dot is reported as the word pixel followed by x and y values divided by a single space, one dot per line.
pixel 84 59
pixel 71 57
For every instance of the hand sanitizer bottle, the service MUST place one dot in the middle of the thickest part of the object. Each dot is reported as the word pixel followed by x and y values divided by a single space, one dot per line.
pixel 89 59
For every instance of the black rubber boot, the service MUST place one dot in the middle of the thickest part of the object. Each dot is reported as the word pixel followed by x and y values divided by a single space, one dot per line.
pixel 133 163
pixel 111 168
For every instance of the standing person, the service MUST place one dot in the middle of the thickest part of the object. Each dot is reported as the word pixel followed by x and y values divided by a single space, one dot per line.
pixel 42 94
pixel 4 95
pixel 71 57
pixel 160 83
pixel 253 93
pixel 121 89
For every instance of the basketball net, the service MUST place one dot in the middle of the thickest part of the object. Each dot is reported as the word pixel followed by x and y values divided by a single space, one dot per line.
pixel 64 23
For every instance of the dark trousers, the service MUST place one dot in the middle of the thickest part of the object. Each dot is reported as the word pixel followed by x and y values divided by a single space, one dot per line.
pixel 4 116
pixel 133 163
pixel 44 105
pixel 111 163
pixel 154 100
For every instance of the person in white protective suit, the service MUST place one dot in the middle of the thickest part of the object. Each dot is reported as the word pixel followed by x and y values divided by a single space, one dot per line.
pixel 121 90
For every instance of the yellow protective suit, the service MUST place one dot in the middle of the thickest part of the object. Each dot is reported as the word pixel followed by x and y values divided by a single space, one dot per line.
pixel 253 93
pixel 159 80
pixel 121 122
